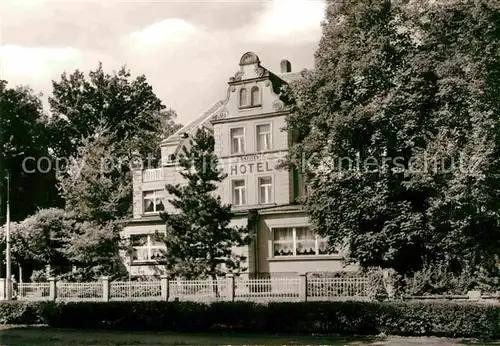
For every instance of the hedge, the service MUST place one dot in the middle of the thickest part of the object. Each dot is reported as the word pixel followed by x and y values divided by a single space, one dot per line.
pixel 446 319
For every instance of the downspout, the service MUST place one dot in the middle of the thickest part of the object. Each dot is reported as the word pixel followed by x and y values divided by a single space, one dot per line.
pixel 256 250
pixel 295 179
pixel 253 221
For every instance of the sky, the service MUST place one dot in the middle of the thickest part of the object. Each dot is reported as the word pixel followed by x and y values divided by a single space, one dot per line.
pixel 187 49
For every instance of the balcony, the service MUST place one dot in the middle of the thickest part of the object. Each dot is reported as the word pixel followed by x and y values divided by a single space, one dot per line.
pixel 152 175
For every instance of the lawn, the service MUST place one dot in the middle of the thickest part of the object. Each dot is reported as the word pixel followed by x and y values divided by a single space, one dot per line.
pixel 51 336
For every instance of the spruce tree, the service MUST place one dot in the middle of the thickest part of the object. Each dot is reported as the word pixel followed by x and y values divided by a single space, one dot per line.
pixel 200 240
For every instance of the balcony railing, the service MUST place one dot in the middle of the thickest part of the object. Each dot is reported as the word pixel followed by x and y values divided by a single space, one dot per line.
pixel 152 175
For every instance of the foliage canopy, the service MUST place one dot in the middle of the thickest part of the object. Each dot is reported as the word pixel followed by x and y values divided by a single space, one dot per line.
pixel 400 127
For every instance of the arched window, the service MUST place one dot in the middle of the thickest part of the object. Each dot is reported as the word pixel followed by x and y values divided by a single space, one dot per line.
pixel 255 96
pixel 243 97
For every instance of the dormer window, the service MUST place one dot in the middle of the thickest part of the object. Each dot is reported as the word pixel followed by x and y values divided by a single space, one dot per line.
pixel 255 96
pixel 243 97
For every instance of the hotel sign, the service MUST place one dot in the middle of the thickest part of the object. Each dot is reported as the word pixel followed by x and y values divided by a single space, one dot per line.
pixel 251 167
pixel 252 164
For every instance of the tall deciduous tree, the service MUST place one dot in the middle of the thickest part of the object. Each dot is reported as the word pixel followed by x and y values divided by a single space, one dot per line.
pixel 397 133
pixel 98 184
pixel 127 105
pixel 200 241
pixel 22 137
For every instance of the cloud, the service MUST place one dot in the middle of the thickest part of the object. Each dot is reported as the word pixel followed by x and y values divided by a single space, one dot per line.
pixel 186 54
pixel 22 5
pixel 281 21
pixel 188 62
pixel 288 21
pixel 38 66
pixel 170 30
pixel 32 64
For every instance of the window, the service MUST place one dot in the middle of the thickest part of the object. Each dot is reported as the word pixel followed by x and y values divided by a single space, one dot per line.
pixel 243 97
pixel 265 190
pixel 154 201
pixel 237 140
pixel 263 137
pixel 147 247
pixel 239 197
pixel 305 243
pixel 299 241
pixel 255 96
pixel 283 242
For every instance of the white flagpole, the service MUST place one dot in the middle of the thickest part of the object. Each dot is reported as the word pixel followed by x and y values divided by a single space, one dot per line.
pixel 8 280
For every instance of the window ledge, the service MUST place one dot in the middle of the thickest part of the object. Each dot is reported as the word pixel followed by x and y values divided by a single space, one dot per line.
pixel 305 258
pixel 250 107
pixel 146 262
pixel 156 213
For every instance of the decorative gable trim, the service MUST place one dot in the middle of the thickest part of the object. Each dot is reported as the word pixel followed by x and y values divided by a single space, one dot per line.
pixel 285 111
pixel 249 58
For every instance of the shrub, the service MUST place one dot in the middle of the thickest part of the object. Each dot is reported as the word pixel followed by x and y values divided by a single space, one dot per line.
pixel 39 276
pixel 376 288
pixel 337 274
pixel 16 312
pixel 446 319
pixel 438 279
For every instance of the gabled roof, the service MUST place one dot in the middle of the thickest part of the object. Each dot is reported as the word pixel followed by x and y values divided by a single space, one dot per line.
pixel 203 120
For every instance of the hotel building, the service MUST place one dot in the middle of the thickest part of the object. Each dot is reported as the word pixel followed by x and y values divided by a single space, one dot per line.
pixel 249 141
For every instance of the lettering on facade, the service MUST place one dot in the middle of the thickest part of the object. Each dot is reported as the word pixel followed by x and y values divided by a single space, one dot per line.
pixel 251 158
pixel 263 157
pixel 251 167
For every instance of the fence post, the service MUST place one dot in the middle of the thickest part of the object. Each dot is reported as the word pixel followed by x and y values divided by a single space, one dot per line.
pixel 474 295
pixel 165 292
pixel 105 288
pixel 52 288
pixel 387 279
pixel 303 287
pixel 230 286
pixel 2 288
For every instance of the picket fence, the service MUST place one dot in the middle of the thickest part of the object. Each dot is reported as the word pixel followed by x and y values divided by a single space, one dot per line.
pixel 225 289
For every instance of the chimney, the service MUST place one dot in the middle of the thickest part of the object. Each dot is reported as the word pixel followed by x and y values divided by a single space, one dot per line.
pixel 285 66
